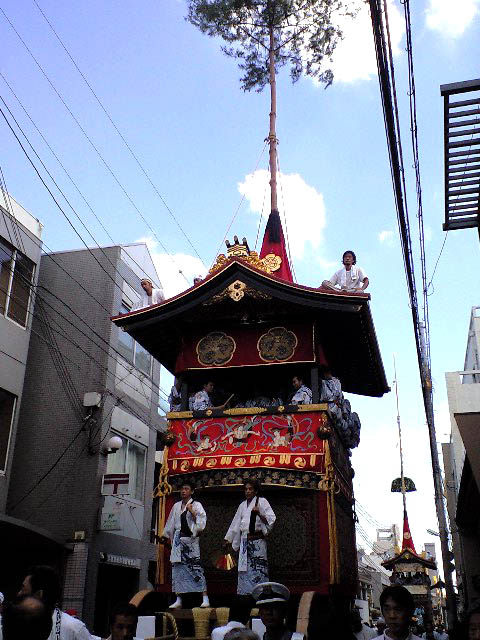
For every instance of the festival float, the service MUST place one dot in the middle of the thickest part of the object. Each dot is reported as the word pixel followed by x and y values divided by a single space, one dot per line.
pixel 249 328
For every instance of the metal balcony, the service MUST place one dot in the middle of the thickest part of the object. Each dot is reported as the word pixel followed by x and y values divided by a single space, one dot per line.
pixel 462 154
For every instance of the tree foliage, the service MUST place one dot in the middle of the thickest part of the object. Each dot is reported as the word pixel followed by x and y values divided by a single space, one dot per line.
pixel 303 34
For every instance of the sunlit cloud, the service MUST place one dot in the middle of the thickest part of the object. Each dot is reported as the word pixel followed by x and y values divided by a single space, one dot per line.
pixel 386 237
pixel 449 19
pixel 301 206
pixel 354 58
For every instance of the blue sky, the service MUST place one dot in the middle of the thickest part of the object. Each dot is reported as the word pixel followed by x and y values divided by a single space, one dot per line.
pixel 177 100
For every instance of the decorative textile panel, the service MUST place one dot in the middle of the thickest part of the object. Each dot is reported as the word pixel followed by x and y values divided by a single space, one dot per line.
pixel 240 442
pixel 247 346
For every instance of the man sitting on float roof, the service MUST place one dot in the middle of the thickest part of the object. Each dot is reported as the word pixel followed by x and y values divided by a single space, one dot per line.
pixel 350 278
pixel 302 395
pixel 202 400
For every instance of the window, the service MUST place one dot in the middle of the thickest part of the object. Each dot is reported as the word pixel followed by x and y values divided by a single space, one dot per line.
pixel 130 458
pixel 16 277
pixel 132 351
pixel 7 411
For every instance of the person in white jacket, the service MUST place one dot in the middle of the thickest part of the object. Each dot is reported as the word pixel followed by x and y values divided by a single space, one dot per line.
pixel 350 278
pixel 185 523
pixel 247 534
pixel 43 583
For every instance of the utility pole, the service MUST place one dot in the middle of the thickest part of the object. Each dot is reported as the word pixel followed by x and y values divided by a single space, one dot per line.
pixel 448 568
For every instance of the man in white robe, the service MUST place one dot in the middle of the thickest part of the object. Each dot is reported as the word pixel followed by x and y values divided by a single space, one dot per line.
pixel 202 401
pixel 151 296
pixel 247 534
pixel 43 582
pixel 350 278
pixel 185 523
pixel 302 395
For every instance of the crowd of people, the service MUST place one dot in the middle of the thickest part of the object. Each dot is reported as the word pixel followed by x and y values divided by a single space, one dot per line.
pixel 34 615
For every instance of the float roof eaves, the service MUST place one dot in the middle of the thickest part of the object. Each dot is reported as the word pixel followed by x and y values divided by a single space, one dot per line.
pixel 166 318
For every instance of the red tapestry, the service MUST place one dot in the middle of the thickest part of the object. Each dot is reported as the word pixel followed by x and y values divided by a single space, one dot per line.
pixel 287 441
pixel 249 345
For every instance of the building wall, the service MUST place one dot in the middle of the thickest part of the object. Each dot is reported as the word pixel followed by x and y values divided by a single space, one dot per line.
pixel 463 391
pixel 69 502
pixel 24 233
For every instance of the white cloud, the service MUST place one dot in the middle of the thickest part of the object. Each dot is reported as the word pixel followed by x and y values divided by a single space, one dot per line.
pixel 325 264
pixel 386 237
pixel 169 266
pixel 354 57
pixel 449 19
pixel 302 205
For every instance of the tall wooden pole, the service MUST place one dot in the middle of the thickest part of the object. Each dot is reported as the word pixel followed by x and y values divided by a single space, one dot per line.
pixel 272 135
pixel 402 476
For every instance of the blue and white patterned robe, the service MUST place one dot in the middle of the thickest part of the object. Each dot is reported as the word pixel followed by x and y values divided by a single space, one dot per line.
pixel 303 395
pixel 187 572
pixel 252 561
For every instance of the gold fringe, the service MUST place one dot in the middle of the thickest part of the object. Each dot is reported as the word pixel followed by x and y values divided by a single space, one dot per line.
pixel 332 520
pixel 162 490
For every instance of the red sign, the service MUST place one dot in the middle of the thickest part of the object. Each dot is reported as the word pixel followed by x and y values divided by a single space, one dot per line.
pixel 115 484
pixel 287 441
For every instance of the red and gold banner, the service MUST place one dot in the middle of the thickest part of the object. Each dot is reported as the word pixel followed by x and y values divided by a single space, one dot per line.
pixel 247 346
pixel 287 441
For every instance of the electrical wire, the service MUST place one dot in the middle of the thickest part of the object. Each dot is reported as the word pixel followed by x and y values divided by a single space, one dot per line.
pixel 72 181
pixel 92 144
pixel 285 219
pixel 120 134
pixel 436 263
pixel 238 208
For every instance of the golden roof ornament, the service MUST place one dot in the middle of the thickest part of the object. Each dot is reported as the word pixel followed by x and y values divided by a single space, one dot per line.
pixel 269 264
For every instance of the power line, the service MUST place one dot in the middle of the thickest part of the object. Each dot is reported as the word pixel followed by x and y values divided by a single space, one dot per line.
pixel 90 329
pixel 52 151
pixel 238 207
pixel 127 145
pixel 92 144
pixel 386 75
pixel 58 205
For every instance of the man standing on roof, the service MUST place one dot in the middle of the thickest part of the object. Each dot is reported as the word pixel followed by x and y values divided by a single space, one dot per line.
pixel 153 296
pixel 350 278
pixel 250 526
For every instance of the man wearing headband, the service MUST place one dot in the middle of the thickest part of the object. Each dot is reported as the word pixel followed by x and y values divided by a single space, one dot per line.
pixel 252 523
pixel 185 523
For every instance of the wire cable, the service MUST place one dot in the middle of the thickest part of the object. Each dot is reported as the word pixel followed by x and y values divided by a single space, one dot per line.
pixel 55 155
pixel 238 208
pixel 121 135
pixel 92 144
